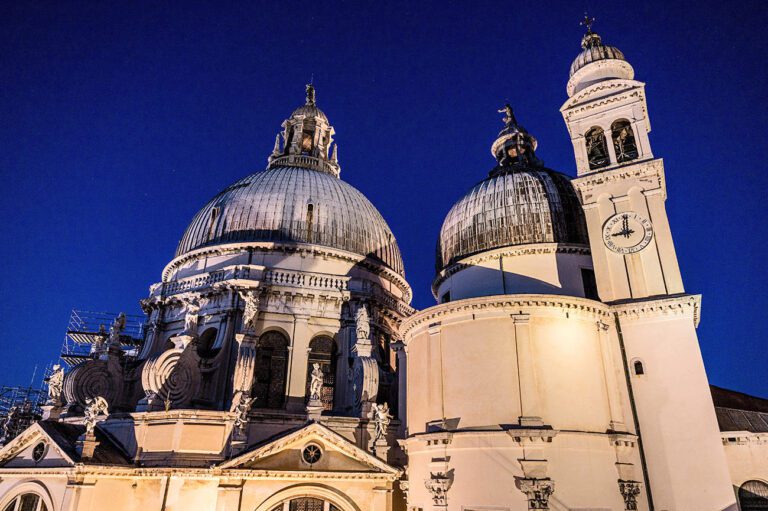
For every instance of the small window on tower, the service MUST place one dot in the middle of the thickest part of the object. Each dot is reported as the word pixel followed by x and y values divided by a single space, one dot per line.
pixel 597 150
pixel 446 297
pixel 623 141
pixel 637 367
pixel 590 285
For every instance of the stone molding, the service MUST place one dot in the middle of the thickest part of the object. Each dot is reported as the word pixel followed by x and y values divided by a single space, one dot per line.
pixel 647 171
pixel 304 249
pixel 629 491
pixel 605 85
pixel 511 251
pixel 654 308
pixel 504 304
pixel 537 491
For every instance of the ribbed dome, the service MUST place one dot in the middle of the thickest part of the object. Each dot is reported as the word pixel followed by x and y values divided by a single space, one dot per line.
pixel 594 50
pixel 294 204
pixel 309 111
pixel 514 206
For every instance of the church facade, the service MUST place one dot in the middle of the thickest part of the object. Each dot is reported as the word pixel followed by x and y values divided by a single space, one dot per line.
pixel 282 367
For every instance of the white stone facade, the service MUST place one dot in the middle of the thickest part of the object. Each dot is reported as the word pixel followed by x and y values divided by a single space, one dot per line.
pixel 283 368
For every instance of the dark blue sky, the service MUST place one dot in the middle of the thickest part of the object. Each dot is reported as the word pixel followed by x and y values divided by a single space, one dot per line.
pixel 120 120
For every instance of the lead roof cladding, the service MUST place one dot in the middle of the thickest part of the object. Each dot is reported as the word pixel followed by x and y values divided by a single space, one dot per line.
pixel 294 205
pixel 514 206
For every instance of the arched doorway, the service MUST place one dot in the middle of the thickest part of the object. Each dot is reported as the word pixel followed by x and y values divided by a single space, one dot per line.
pixel 306 504
pixel 753 496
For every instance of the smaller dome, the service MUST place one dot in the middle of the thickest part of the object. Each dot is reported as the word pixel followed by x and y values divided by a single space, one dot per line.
pixel 309 110
pixel 594 50
pixel 520 202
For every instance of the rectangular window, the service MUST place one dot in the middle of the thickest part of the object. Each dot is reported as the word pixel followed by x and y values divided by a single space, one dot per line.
pixel 590 284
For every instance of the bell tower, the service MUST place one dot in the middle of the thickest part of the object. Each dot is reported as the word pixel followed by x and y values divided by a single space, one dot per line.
pixel 622 190
pixel 620 183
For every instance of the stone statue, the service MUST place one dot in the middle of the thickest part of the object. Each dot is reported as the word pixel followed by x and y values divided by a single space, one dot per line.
pixel 381 419
pixel 99 343
pixel 94 408
pixel 55 385
pixel 190 309
pixel 118 325
pixel 242 409
pixel 316 384
pixel 362 323
pixel 9 424
pixel 509 117
pixel 251 299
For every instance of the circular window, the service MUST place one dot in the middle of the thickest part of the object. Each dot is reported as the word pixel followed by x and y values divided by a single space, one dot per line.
pixel 38 452
pixel 311 454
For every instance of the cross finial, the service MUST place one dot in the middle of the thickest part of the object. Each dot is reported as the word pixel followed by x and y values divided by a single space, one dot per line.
pixel 587 22
pixel 310 94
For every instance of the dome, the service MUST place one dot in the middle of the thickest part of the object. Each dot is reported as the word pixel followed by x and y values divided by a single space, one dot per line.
pixel 519 203
pixel 518 206
pixel 594 50
pixel 294 205
pixel 309 111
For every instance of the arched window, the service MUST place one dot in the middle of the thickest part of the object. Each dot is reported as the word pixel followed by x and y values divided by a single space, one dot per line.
pixel 623 141
pixel 212 222
pixel 270 371
pixel 637 367
pixel 597 150
pixel 322 350
pixel 206 343
pixel 753 496
pixel 26 502
pixel 306 504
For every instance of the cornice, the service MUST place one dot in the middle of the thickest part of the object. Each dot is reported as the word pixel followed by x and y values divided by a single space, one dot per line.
pixel 502 303
pixel 648 171
pixel 297 248
pixel 600 90
pixel 511 251
pixel 657 307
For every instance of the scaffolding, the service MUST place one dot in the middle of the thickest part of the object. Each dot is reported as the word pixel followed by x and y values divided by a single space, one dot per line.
pixel 87 328
pixel 20 407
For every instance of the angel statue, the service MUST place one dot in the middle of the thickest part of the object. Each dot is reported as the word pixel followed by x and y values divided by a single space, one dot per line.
pixel 94 407
pixel 316 384
pixel 381 419
pixel 251 311
pixel 55 385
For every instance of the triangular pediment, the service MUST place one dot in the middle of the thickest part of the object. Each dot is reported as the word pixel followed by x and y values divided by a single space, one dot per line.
pixel 337 454
pixel 37 447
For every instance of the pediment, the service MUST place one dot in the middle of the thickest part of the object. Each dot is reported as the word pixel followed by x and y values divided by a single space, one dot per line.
pixel 21 451
pixel 286 454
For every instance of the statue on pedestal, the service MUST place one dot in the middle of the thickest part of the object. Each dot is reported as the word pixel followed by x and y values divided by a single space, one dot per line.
pixel 316 383
pixel 381 419
pixel 55 385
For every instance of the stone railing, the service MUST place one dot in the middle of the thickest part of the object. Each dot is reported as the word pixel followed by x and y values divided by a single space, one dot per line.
pixel 301 279
pixel 300 160
pixel 205 280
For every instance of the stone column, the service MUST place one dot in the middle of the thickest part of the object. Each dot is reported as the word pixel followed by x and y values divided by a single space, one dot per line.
pixel 529 394
pixel 242 379
pixel 297 382
pixel 402 384
pixel 611 382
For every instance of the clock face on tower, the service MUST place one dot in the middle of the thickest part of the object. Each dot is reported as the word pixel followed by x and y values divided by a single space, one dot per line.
pixel 627 233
